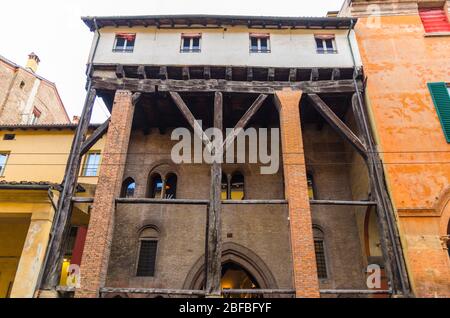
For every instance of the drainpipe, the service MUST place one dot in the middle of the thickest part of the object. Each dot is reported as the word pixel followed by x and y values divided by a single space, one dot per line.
pixel 399 257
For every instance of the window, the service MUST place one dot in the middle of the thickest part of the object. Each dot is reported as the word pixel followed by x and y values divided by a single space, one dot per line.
pixel 434 19
pixel 237 186
pixel 128 188
pixel 325 43
pixel 320 253
pixel 3 159
pixel 259 43
pixel 148 246
pixel 9 137
pixel 155 186
pixel 171 187
pixel 441 99
pixel 34 117
pixel 190 43
pixel 124 42
pixel 310 186
pixel 224 187
pixel 91 164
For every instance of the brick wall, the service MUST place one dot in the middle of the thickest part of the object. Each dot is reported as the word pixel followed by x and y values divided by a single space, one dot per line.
pixel 98 241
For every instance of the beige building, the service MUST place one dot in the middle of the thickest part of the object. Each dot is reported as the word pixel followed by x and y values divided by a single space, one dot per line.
pixel 26 97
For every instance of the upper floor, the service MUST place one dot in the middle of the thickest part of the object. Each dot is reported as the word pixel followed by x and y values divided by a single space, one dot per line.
pixel 199 40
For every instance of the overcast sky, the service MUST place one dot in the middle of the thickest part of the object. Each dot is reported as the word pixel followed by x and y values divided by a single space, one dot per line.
pixel 54 31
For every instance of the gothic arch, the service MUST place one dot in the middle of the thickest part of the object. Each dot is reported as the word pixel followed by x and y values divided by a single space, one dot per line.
pixel 240 255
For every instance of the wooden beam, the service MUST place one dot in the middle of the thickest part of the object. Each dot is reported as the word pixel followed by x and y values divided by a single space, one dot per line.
pixel 259 291
pixel 96 135
pixel 244 120
pixel 186 74
pixel 229 73
pixel 213 85
pixel 162 201
pixel 198 130
pixel 340 202
pixel 141 72
pixel 254 202
pixel 338 125
pixel 271 74
pixel 355 291
pixel 207 73
pixel 249 74
pixel 120 72
pixel 336 74
pixel 163 73
pixel 213 253
pixel 152 291
pixel 293 75
pixel 61 224
pixel 82 200
pixel 314 74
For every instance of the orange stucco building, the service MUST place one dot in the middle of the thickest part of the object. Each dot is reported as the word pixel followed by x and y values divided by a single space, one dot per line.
pixel 404 47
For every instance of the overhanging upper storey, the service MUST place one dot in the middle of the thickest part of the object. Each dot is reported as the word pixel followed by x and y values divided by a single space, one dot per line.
pixel 238 41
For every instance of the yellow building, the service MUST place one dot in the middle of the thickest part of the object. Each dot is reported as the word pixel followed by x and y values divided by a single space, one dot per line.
pixel 32 165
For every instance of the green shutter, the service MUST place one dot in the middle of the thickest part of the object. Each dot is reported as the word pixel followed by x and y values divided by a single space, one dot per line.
pixel 441 98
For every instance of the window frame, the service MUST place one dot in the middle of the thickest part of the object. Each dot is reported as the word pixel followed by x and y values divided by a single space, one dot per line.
pixel 85 164
pixel 141 239
pixel 125 48
pixel 191 37
pixel 325 255
pixel 325 49
pixel 258 38
pixel 3 169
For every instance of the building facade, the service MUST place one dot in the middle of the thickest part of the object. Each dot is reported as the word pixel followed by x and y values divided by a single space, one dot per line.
pixel 33 165
pixel 404 49
pixel 26 97
pixel 319 225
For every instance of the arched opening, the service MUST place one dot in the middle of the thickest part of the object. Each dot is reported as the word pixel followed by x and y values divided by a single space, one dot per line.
pixel 171 186
pixel 128 188
pixel 237 186
pixel 235 276
pixel 311 190
pixel 155 186
pixel 148 246
pixel 319 246
pixel 224 187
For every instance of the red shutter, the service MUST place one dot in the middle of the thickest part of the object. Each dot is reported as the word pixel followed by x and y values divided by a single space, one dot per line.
pixel 434 20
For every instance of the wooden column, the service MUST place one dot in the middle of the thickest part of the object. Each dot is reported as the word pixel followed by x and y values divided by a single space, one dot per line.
pixel 214 223
pixel 61 224
pixel 95 258
pixel 305 277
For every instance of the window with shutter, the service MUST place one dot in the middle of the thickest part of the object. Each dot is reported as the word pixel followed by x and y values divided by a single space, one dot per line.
pixel 147 258
pixel 434 20
pixel 441 98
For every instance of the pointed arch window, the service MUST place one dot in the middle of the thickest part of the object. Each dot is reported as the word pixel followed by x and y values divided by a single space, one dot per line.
pixel 148 247
pixel 224 187
pixel 171 186
pixel 128 188
pixel 155 186
pixel 319 247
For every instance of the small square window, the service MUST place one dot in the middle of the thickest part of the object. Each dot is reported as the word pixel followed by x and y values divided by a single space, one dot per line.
pixel 191 43
pixel 9 137
pixel 91 164
pixel 259 43
pixel 325 43
pixel 124 43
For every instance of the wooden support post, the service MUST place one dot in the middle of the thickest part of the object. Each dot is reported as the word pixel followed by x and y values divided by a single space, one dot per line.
pixel 229 73
pixel 338 125
pixel 163 73
pixel 186 75
pixel 120 72
pixel 61 223
pixel 292 75
pixel 249 74
pixel 335 74
pixel 390 237
pixel 96 135
pixel 141 72
pixel 271 74
pixel 214 237
pixel 314 74
pixel 207 73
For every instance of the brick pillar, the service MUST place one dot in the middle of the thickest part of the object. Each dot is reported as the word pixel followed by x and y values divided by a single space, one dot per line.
pixel 306 282
pixel 94 262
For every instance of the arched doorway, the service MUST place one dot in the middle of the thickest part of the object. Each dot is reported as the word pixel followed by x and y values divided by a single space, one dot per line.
pixel 241 269
pixel 235 276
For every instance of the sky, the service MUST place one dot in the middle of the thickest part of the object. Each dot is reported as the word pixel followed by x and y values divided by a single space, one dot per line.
pixel 53 30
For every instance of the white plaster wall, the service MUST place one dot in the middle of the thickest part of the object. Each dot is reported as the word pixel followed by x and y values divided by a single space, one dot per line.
pixel 289 48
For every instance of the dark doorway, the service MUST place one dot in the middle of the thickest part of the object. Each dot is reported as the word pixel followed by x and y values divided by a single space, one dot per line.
pixel 237 277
